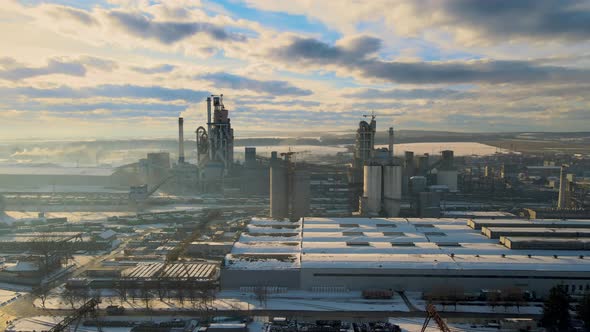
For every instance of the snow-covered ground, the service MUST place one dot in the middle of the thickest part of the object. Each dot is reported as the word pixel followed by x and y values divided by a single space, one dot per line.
pixel 235 300
pixel 300 300
pixel 415 325
pixel 433 148
pixel 73 216
pixel 477 306
pixel 7 296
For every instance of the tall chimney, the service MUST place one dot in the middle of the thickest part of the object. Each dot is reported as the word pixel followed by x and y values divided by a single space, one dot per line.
pixel 391 143
pixel 561 202
pixel 209 128
pixel 180 140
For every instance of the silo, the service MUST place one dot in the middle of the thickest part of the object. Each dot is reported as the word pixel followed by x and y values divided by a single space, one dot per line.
pixel 422 165
pixel 300 194
pixel 371 190
pixel 278 191
pixel 392 190
pixel 448 161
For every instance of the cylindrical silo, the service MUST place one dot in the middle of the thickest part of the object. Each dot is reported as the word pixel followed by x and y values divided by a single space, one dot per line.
pixel 372 190
pixel 392 190
pixel 278 191
pixel 447 159
pixel 301 194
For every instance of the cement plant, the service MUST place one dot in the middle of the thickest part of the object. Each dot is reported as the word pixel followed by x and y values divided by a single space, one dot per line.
pixel 369 239
pixel 294 165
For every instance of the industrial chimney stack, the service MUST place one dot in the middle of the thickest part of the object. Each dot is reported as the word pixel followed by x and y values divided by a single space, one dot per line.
pixel 180 140
pixel 391 143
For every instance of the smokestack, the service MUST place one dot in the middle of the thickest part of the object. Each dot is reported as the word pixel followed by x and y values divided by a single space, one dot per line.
pixel 180 140
pixel 209 128
pixel 391 143
pixel 561 202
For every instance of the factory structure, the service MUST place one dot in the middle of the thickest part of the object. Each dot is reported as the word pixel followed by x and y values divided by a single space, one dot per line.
pixel 380 182
pixel 458 255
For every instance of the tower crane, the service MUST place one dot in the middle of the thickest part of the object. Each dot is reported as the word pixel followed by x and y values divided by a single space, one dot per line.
pixel 432 313
pixel 86 308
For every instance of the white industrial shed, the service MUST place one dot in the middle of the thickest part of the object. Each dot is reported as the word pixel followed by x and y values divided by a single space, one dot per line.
pixel 394 253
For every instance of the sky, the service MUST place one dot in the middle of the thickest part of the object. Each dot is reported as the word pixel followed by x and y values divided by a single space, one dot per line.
pixel 128 68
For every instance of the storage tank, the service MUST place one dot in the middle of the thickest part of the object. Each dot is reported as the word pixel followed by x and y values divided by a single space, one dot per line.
pixel 392 190
pixel 278 191
pixel 371 190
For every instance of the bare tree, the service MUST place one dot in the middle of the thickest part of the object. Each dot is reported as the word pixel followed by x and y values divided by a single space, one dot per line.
pixel 70 297
pixel 493 298
pixel 82 294
pixel 43 293
pixel 146 297
pixel 180 294
pixel 121 289
pixel 514 295
pixel 161 289
pixel 96 294
pixel 261 293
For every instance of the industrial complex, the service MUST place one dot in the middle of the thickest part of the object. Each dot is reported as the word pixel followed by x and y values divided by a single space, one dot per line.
pixel 341 241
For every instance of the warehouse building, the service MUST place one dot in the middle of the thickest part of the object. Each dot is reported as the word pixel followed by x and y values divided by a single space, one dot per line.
pixel 420 254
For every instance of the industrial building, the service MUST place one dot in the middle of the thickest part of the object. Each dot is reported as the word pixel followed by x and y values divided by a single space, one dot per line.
pixel 416 254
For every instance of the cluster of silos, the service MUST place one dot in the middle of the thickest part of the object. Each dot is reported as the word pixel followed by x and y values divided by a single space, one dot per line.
pixel 382 190
pixel 289 190
pixel 254 176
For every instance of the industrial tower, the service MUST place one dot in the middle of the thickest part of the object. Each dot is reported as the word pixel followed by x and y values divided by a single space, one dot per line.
pixel 220 133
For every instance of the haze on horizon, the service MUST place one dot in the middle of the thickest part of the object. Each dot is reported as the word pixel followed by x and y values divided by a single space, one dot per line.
pixel 125 68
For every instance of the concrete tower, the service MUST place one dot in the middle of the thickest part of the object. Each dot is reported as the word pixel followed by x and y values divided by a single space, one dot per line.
pixel 562 201
pixel 180 140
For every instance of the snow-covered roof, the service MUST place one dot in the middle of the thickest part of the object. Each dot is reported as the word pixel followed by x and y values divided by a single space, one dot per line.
pixel 109 233
pixel 393 243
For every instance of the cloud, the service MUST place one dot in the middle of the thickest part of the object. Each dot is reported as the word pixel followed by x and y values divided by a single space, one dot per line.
pixel 163 68
pixel 312 50
pixel 532 19
pixel 62 12
pixel 168 32
pixel 354 57
pixel 494 21
pixel 231 81
pixel 14 71
pixel 99 63
pixel 110 91
pixel 54 66
pixel 409 94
